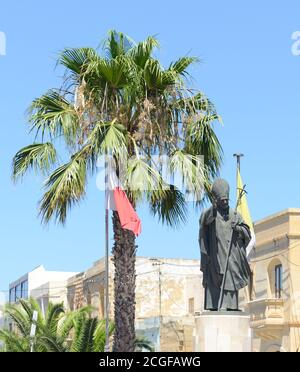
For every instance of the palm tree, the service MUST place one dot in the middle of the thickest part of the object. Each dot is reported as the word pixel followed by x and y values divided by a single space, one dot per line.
pixel 56 331
pixel 123 103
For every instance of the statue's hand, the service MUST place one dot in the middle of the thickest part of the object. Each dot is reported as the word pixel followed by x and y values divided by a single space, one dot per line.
pixel 236 227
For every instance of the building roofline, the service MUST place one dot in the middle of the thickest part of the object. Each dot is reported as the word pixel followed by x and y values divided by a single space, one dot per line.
pixel 288 211
pixel 151 258
pixel 25 276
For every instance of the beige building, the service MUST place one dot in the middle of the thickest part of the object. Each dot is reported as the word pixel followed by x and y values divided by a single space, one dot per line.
pixel 275 309
pixel 54 291
pixel 168 293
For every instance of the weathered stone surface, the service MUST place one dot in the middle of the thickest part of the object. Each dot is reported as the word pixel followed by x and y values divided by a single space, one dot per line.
pixel 222 332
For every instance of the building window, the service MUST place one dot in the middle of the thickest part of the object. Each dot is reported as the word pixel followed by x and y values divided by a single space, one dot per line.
pixel 191 305
pixel 24 289
pixel 12 295
pixel 278 281
pixel 18 292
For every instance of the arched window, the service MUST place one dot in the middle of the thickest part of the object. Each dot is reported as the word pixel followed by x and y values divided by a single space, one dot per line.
pixel 275 274
pixel 278 281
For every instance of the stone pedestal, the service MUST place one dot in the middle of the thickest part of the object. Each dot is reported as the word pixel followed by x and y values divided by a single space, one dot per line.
pixel 222 332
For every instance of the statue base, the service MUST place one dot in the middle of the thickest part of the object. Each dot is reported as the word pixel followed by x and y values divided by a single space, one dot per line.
pixel 222 332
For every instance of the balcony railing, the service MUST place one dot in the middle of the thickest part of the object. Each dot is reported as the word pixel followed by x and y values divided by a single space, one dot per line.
pixel 267 312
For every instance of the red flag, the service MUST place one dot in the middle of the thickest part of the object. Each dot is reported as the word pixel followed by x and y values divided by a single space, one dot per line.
pixel 128 216
pixel 116 199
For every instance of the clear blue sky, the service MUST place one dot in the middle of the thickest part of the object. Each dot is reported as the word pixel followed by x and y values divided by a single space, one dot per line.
pixel 248 70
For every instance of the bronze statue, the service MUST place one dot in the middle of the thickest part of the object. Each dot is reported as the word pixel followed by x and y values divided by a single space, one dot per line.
pixel 223 239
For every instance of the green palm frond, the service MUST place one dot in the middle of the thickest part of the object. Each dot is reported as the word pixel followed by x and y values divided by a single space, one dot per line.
pixel 13 342
pixel 142 177
pixel 74 59
pixel 117 44
pixel 21 322
pixel 109 138
pixel 50 343
pixel 78 326
pixel 191 170
pixel 170 207
pixel 99 337
pixel 199 102
pixel 69 319
pixel 66 186
pixel 84 341
pixel 114 141
pixel 66 324
pixel 29 306
pixel 194 105
pixel 142 343
pixel 39 157
pixel 153 74
pixel 54 313
pixel 181 65
pixel 55 115
pixel 116 72
pixel 158 78
pixel 143 50
pixel 169 77
pixel 202 139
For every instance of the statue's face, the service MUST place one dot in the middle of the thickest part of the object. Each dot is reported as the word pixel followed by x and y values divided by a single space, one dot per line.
pixel 220 192
pixel 223 203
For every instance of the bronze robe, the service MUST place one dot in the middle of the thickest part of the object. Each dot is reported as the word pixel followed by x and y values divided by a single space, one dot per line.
pixel 214 239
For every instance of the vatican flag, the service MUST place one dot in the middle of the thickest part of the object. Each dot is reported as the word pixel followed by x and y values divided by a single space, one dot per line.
pixel 243 210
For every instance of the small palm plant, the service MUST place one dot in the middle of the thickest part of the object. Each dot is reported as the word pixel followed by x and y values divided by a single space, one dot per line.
pixel 56 331
pixel 18 339
pixel 124 103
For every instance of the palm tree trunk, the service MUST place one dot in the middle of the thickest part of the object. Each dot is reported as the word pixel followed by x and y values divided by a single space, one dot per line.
pixel 124 255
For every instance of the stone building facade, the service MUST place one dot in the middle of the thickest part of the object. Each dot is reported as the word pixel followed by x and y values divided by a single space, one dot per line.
pixel 275 309
pixel 168 293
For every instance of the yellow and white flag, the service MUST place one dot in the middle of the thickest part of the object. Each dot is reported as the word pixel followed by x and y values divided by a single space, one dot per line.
pixel 244 211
